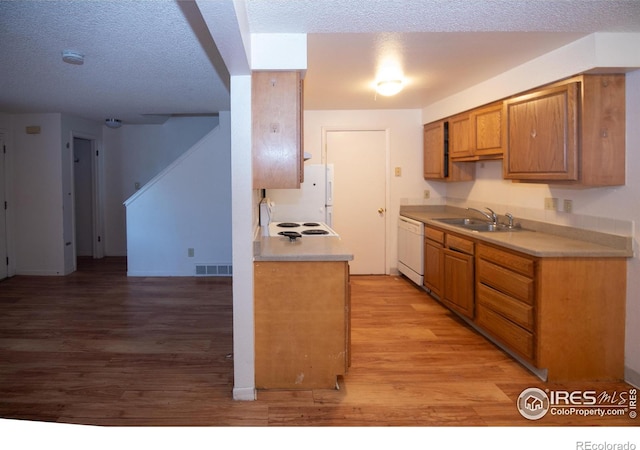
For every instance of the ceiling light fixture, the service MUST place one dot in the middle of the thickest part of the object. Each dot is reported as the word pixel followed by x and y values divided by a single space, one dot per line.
pixel 71 57
pixel 113 123
pixel 389 87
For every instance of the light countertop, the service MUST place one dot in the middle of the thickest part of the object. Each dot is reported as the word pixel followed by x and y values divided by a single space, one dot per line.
pixel 306 248
pixel 535 239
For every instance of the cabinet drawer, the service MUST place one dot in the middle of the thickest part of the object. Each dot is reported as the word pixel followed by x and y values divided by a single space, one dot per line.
pixel 510 334
pixel 512 309
pixel 517 263
pixel 505 281
pixel 460 244
pixel 434 235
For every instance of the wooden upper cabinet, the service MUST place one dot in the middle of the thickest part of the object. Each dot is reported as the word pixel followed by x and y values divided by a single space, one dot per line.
pixel 486 131
pixel 477 134
pixel 436 160
pixel 460 136
pixel 542 135
pixel 569 132
pixel 277 151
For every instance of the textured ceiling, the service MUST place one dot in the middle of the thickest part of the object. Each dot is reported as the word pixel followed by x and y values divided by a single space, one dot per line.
pixel 142 58
pixel 146 60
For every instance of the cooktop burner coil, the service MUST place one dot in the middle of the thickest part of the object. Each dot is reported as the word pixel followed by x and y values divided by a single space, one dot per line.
pixel 312 231
pixel 288 225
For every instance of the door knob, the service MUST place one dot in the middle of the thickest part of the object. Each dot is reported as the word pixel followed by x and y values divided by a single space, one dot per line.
pixel 380 210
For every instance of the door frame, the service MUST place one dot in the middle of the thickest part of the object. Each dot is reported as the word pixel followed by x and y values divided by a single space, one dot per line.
pixel 97 195
pixel 387 194
pixel 5 214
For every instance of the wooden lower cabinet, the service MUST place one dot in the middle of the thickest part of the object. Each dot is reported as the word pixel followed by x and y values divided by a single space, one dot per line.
pixel 448 269
pixel 302 323
pixel 434 260
pixel 565 315
pixel 458 281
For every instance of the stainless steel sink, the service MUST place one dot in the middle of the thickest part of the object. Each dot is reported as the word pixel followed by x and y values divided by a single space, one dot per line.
pixel 459 221
pixel 477 225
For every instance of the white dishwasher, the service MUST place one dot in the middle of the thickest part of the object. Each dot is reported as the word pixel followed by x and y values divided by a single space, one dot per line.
pixel 411 249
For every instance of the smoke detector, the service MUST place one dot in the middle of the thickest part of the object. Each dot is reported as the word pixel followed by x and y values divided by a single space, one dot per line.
pixel 113 123
pixel 72 57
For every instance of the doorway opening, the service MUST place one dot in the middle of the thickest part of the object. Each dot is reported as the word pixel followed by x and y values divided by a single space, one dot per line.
pixel 87 219
pixel 4 253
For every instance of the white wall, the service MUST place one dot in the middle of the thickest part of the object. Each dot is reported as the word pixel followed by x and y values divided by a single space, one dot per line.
pixel 36 195
pixel 188 205
pixel 404 150
pixel 135 154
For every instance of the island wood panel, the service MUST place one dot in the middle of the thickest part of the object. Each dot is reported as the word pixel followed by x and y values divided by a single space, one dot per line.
pixel 301 334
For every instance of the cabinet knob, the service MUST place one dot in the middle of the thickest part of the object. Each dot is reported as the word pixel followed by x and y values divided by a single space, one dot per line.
pixel 534 133
pixel 380 210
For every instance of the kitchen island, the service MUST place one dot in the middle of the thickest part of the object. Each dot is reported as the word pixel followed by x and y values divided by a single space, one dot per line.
pixel 552 296
pixel 302 312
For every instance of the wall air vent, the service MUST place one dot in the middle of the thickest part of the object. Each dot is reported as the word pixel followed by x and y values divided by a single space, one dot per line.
pixel 214 270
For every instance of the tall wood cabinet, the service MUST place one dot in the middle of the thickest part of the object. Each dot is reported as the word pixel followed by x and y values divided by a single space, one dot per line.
pixel 568 132
pixel 277 150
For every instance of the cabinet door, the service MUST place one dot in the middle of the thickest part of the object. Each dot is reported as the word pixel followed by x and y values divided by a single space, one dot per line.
pixel 433 266
pixel 460 136
pixel 458 282
pixel 486 131
pixel 542 135
pixel 433 151
pixel 277 151
pixel 437 164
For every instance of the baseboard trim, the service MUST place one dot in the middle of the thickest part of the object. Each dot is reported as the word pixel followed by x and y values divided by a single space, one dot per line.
pixel 244 394
pixel 632 377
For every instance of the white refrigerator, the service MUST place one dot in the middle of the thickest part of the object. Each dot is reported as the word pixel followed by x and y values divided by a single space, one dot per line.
pixel 313 202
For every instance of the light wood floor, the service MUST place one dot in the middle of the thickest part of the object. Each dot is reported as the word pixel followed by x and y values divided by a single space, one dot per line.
pixel 99 348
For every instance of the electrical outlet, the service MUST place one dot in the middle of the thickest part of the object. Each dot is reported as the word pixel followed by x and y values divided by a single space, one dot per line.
pixel 398 171
pixel 427 194
pixel 191 252
pixel 551 203
pixel 568 205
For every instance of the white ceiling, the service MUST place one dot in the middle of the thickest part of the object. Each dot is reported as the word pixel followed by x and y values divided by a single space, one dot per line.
pixel 146 60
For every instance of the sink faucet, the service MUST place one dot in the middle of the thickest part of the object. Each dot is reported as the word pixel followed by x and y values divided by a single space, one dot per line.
pixel 493 217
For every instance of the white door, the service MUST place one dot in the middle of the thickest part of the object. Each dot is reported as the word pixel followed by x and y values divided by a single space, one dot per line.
pixel 359 159
pixel 4 268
